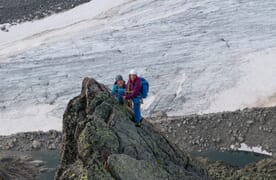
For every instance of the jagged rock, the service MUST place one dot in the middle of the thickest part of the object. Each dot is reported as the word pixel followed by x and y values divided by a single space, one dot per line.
pixel 52 146
pixel 241 138
pixel 11 143
pixel 3 28
pixel 126 167
pixel 264 169
pixel 36 144
pixel 100 141
pixel 216 140
pixel 169 129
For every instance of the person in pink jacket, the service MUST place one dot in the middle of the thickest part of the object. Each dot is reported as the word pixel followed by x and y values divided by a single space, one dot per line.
pixel 132 92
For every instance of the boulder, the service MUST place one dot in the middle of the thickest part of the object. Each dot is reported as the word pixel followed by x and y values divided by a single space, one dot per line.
pixel 263 169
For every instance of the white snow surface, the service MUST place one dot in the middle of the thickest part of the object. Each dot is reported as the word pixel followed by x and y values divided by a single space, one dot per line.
pixel 256 149
pixel 255 88
pixel 30 34
pixel 198 56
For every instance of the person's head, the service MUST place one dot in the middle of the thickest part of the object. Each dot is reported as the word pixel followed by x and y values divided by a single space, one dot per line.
pixel 132 74
pixel 119 80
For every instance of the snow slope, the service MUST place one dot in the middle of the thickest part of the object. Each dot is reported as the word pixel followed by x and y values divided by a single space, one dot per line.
pixel 30 34
pixel 198 55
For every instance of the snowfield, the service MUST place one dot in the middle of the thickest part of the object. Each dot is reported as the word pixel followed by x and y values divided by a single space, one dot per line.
pixel 199 56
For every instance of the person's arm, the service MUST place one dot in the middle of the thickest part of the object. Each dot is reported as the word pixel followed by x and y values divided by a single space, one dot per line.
pixel 136 89
pixel 114 89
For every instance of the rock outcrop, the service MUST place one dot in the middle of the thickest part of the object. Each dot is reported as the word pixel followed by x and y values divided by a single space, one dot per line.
pixel 100 141
pixel 264 169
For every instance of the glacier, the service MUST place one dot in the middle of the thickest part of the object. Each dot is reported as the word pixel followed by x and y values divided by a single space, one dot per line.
pixel 199 56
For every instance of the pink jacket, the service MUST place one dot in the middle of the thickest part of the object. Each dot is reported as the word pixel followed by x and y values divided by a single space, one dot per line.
pixel 133 88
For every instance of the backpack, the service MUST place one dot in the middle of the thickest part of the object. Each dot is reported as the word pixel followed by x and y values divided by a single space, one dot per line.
pixel 144 87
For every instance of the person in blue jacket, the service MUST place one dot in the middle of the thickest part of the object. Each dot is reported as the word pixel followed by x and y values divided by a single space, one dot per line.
pixel 118 88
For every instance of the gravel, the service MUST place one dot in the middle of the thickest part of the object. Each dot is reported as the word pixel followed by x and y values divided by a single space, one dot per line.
pixel 31 141
pixel 18 11
pixel 254 127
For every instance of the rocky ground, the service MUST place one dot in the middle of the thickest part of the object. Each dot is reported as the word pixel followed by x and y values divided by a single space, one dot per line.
pixel 220 131
pixel 264 169
pixel 30 141
pixel 18 11
pixel 16 158
pixel 22 167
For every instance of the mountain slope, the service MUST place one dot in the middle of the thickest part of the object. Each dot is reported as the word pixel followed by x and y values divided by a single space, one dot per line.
pixel 199 56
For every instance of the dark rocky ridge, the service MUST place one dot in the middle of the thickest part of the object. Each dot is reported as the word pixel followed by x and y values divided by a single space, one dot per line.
pixel 17 11
pixel 100 141
pixel 218 131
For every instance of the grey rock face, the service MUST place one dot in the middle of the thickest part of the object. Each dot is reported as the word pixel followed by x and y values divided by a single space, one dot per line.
pixel 36 144
pixel 100 141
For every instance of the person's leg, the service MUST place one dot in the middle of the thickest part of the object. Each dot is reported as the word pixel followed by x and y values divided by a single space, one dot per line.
pixel 136 109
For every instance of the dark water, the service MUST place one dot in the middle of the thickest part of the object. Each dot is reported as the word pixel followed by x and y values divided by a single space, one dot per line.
pixel 235 158
pixel 51 159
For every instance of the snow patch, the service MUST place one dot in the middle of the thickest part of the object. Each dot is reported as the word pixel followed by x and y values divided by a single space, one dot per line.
pixel 256 87
pixel 147 102
pixel 33 118
pixel 180 82
pixel 256 149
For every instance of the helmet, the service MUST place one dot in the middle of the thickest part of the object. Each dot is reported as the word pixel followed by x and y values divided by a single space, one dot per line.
pixel 118 77
pixel 133 71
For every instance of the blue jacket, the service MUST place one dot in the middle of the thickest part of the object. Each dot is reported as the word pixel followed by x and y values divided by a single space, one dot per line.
pixel 116 90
